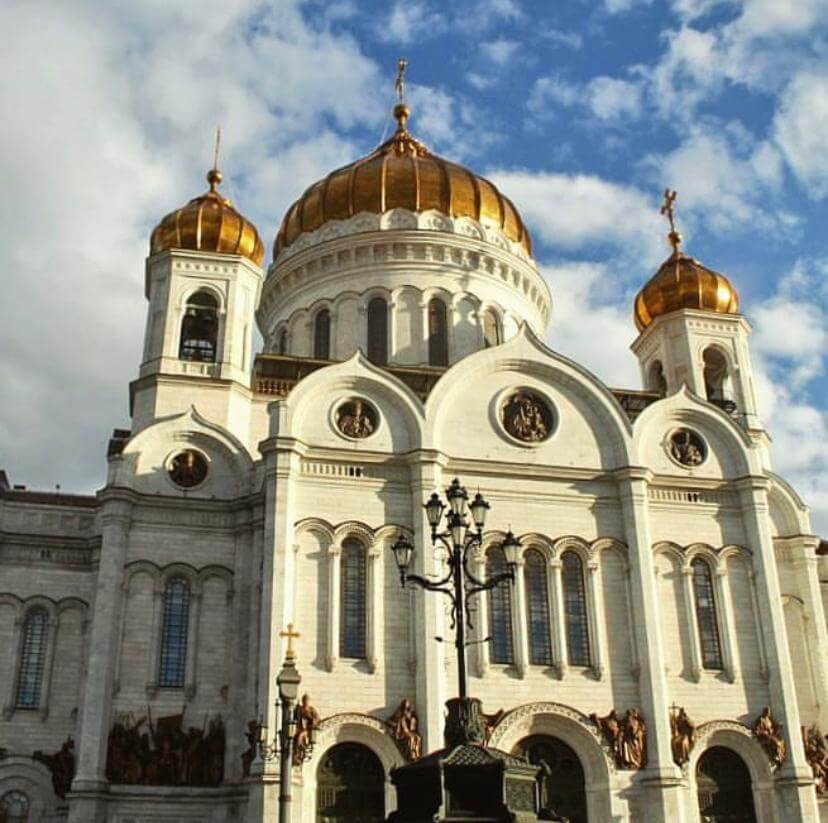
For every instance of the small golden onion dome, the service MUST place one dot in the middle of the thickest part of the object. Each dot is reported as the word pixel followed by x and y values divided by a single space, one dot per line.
pixel 208 223
pixel 401 173
pixel 683 283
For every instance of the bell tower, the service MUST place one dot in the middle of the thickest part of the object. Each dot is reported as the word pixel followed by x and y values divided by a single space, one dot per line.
pixel 203 283
pixel 691 333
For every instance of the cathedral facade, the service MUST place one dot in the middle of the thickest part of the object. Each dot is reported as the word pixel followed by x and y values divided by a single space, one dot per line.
pixel 659 647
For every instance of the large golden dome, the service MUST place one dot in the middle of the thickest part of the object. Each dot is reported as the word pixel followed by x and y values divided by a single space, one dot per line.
pixel 208 223
pixel 683 283
pixel 401 173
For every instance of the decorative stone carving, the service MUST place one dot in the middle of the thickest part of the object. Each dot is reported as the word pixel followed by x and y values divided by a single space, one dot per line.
pixel 307 722
pixel 682 734
pixel 489 723
pixel 404 725
pixel 62 766
pixel 769 734
pixel 249 754
pixel 188 469
pixel 527 416
pixel 356 418
pixel 163 754
pixel 626 737
pixel 687 447
pixel 816 753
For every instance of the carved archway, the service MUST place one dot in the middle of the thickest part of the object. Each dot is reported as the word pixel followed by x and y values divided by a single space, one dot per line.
pixel 723 787
pixel 350 785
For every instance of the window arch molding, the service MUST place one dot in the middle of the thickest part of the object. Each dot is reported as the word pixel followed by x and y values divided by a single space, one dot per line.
pixel 191 290
pixel 490 315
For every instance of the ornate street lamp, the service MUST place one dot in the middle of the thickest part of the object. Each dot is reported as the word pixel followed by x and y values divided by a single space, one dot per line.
pixel 281 747
pixel 460 541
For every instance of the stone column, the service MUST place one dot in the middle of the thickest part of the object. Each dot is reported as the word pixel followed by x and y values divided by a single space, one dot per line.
pixel 87 803
pixel 519 633
pixel 794 781
pixel 661 777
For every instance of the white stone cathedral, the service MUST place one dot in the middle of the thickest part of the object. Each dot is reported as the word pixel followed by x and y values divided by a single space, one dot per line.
pixel 661 649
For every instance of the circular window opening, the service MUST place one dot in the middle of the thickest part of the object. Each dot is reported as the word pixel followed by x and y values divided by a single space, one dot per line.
pixel 527 416
pixel 188 469
pixel 356 418
pixel 687 447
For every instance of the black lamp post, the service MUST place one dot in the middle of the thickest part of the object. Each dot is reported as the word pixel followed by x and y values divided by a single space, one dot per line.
pixel 460 541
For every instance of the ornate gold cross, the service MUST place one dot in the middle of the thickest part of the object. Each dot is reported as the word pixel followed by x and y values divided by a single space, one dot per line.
pixel 399 84
pixel 290 654
pixel 667 208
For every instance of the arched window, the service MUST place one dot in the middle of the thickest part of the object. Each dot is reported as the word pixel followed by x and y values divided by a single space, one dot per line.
pixel 437 333
pixel 281 342
pixel 322 335
pixel 706 615
pixel 537 608
pixel 352 593
pixel 32 659
pixel 656 380
pixel 350 785
pixel 575 610
pixel 716 383
pixel 491 329
pixel 378 331
pixel 500 611
pixel 723 787
pixel 173 662
pixel 14 807
pixel 199 328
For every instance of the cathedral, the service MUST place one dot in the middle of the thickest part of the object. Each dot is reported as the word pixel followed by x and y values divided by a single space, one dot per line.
pixel 656 641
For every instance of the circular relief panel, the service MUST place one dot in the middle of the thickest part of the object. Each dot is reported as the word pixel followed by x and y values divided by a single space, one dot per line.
pixel 188 469
pixel 356 418
pixel 527 416
pixel 687 448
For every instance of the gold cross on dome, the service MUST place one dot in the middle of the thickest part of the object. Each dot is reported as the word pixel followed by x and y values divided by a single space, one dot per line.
pixel 218 147
pixel 667 209
pixel 290 654
pixel 399 84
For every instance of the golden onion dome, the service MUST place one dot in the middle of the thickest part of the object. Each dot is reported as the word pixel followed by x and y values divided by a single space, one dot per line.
pixel 208 223
pixel 402 173
pixel 683 283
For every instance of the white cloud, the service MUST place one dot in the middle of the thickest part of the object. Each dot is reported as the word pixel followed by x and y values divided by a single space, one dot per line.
pixel 623 6
pixel 607 98
pixel 569 39
pixel 800 128
pixel 408 21
pixel 500 51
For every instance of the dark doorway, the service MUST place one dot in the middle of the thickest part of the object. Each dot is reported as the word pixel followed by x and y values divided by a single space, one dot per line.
pixel 350 785
pixel 562 785
pixel 724 788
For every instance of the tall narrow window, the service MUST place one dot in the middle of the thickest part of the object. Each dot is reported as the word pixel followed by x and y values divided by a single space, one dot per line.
pixel 706 615
pixel 537 608
pixel 500 611
pixel 716 383
pixel 657 381
pixel 173 663
pixel 199 328
pixel 575 610
pixel 322 335
pixel 378 331
pixel 352 592
pixel 437 333
pixel 491 329
pixel 32 659
pixel 281 344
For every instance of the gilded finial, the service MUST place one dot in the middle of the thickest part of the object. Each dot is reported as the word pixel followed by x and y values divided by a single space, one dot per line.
pixel 673 237
pixel 401 111
pixel 290 654
pixel 214 175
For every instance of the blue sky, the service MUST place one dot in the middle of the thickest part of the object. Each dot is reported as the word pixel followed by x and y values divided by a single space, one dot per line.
pixel 582 112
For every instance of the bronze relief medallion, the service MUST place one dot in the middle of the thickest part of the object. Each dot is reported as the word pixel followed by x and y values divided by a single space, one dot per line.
pixel 527 416
pixel 356 418
pixel 687 447
pixel 188 469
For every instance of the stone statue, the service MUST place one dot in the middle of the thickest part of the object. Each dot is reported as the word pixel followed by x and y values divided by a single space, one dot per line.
pixel 61 765
pixel 816 753
pixel 405 724
pixel 686 448
pixel 489 723
pixel 354 420
pixel 526 418
pixel 769 734
pixel 610 729
pixel 249 754
pixel 626 737
pixel 307 721
pixel 682 735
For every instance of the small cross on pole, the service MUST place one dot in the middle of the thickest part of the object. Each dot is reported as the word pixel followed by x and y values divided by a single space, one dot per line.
pixel 399 84
pixel 290 654
pixel 667 209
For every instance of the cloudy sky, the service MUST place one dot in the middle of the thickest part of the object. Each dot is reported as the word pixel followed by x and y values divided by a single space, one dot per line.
pixel 582 111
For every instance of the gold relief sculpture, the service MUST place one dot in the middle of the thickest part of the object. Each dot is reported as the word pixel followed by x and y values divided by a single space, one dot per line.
pixel 682 734
pixel 626 737
pixel 307 722
pixel 357 418
pixel 62 766
pixel 490 721
pixel 526 416
pixel 687 447
pixel 188 469
pixel 816 753
pixel 769 734
pixel 405 728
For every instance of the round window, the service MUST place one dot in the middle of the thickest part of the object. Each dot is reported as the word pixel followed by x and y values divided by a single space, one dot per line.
pixel 188 469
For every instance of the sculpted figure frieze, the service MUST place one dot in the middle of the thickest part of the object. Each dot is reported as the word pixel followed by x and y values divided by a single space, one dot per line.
pixel 769 734
pixel 682 734
pixel 307 722
pixel 816 753
pixel 61 764
pixel 626 737
pixel 404 725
